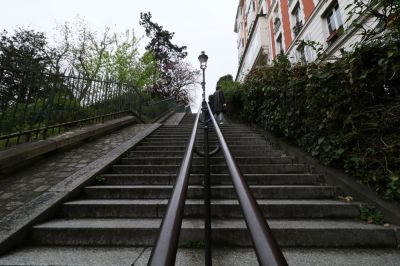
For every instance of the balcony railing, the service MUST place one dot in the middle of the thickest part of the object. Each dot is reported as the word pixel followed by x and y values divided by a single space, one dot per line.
pixel 335 35
pixel 277 25
pixel 297 28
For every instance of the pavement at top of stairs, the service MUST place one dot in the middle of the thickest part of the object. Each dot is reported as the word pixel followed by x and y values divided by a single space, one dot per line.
pixel 23 186
pixel 138 256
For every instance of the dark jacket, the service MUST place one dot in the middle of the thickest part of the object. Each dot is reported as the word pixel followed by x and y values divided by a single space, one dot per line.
pixel 219 101
pixel 211 103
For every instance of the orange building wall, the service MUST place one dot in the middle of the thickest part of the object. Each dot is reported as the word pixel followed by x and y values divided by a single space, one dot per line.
pixel 287 31
pixel 308 6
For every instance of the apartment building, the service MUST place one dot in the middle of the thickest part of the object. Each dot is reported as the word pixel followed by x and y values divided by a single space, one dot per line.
pixel 267 28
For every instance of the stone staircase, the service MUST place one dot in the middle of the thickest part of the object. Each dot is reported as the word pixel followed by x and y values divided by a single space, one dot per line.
pixel 126 205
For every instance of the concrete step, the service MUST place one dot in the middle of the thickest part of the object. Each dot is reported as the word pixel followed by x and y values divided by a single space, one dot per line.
pixel 199 138
pixel 217 191
pixel 142 154
pixel 219 179
pixel 72 255
pixel 145 169
pixel 234 256
pixel 142 232
pixel 200 143
pixel 247 153
pixel 174 135
pixel 222 256
pixel 200 135
pixel 254 168
pixel 160 148
pixel 174 153
pixel 199 160
pixel 155 208
pixel 163 144
pixel 233 148
pixel 174 130
pixel 215 169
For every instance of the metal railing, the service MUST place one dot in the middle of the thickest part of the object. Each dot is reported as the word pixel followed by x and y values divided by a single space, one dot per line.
pixel 265 245
pixel 35 105
pixel 277 25
pixel 153 109
pixel 164 251
pixel 297 28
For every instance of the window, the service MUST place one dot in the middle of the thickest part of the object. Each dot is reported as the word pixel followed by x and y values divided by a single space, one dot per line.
pixel 301 55
pixel 297 14
pixel 334 22
pixel 279 45
pixel 297 20
pixel 307 48
pixel 334 19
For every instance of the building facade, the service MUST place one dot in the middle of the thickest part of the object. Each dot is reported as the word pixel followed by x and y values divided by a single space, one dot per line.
pixel 267 28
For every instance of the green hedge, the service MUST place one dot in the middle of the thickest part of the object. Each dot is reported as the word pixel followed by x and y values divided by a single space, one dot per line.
pixel 346 113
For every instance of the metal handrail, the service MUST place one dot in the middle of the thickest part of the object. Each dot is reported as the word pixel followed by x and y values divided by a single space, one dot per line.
pixel 267 250
pixel 165 248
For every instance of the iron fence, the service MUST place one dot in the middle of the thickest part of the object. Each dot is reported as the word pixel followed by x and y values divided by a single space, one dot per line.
pixel 36 105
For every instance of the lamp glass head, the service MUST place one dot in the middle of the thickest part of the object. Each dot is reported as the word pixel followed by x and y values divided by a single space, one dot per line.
pixel 203 60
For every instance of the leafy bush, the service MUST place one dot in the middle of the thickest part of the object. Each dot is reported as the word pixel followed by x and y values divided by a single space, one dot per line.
pixel 345 113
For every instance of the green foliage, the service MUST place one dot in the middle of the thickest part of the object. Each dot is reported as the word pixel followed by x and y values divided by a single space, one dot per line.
pixel 347 112
pixel 161 42
pixel 25 49
pixel 23 56
pixel 23 116
pixel 122 60
pixel 85 75
pixel 174 75
pixel 233 94
pixel 344 113
pixel 100 178
pixel 146 72
pixel 371 215
pixel 393 188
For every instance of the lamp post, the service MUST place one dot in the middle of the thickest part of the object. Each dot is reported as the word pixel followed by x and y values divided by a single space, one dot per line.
pixel 203 58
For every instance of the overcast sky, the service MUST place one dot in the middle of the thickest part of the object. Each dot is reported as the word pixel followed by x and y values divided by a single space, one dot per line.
pixel 200 25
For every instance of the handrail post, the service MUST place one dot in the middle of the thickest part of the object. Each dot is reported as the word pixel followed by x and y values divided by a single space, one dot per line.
pixel 207 191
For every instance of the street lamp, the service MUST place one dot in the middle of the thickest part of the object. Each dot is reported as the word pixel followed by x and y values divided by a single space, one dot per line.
pixel 203 58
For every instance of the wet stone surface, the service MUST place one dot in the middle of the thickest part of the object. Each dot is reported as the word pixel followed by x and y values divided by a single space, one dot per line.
pixel 19 188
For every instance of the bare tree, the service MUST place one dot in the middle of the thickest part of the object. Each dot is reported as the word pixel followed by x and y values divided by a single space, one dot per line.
pixel 183 78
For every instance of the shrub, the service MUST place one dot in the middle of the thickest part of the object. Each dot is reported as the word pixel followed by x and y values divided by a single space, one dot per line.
pixel 345 113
